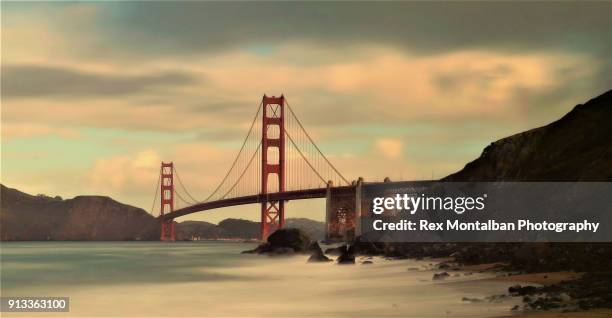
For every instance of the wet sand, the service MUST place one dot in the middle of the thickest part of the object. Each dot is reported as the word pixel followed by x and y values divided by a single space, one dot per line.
pixel 544 279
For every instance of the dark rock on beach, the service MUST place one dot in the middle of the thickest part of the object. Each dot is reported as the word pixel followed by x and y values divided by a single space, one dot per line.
pixel 593 290
pixel 347 256
pixel 317 254
pixel 284 242
pixel 440 276
pixel 519 290
pixel 295 239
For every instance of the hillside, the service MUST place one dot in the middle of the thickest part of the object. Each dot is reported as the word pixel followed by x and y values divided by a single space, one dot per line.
pixel 577 147
pixel 25 217
pixel 243 229
pixel 188 230
pixel 84 218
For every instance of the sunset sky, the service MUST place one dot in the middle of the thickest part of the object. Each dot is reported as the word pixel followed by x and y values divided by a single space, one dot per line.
pixel 96 94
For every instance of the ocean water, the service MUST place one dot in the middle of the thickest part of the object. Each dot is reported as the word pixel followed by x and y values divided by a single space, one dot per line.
pixel 212 279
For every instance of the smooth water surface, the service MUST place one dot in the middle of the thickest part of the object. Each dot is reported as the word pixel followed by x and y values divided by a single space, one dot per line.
pixel 212 279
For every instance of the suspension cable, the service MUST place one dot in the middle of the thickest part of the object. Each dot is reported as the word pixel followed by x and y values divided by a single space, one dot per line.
pixel 238 156
pixel 183 199
pixel 183 186
pixel 243 172
pixel 304 157
pixel 314 144
pixel 156 192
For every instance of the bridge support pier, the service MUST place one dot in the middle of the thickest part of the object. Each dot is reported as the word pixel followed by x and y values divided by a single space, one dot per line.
pixel 167 230
pixel 167 201
pixel 343 213
pixel 272 212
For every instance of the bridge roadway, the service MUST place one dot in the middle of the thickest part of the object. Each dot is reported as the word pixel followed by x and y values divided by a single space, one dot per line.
pixel 251 199
pixel 396 186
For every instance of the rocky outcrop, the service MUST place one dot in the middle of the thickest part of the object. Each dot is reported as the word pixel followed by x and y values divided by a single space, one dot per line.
pixel 577 147
pixel 292 238
pixel 284 241
pixel 317 254
pixel 593 290
pixel 440 276
pixel 347 255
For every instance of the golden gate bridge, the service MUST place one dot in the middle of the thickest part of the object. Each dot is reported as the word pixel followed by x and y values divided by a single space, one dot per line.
pixel 277 162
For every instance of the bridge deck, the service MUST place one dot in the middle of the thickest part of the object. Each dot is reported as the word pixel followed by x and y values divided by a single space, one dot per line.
pixel 251 199
pixel 284 196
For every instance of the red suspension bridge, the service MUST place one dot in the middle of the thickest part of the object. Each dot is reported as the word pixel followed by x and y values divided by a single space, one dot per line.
pixel 277 162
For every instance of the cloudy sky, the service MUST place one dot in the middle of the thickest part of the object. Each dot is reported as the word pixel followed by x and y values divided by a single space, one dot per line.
pixel 96 94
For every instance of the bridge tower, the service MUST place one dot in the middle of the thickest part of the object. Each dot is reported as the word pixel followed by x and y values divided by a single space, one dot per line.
pixel 167 200
pixel 272 212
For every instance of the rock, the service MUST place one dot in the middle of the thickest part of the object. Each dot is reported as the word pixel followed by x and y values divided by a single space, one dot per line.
pixel 515 308
pixel 549 153
pixel 522 291
pixel 367 262
pixel 290 238
pixel 443 266
pixel 317 254
pixel 440 276
pixel 347 256
pixel 512 289
pixel 284 242
pixel 565 297
pixel 496 298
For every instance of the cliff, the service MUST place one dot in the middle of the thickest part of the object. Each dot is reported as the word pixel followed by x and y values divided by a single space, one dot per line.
pixel 577 147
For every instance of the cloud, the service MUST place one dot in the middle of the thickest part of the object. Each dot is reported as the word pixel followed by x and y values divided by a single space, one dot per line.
pixel 385 85
pixel 21 130
pixel 134 173
pixel 49 81
pixel 389 147
pixel 125 173
pixel 379 85
pixel 419 27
